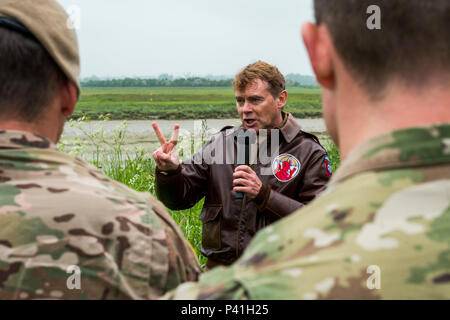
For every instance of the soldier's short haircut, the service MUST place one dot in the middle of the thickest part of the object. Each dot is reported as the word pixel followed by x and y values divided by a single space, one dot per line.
pixel 29 77
pixel 412 45
pixel 263 71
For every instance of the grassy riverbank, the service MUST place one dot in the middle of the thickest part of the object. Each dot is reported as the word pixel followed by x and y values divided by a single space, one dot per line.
pixel 141 103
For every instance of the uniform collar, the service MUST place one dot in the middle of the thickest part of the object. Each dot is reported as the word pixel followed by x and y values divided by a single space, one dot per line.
pixel 412 147
pixel 11 139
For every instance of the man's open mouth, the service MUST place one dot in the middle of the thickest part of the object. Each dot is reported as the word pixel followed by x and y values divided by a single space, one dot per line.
pixel 249 122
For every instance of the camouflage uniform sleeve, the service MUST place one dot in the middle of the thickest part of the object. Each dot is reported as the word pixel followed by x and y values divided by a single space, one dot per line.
pixel 182 260
pixel 217 284
pixel 173 260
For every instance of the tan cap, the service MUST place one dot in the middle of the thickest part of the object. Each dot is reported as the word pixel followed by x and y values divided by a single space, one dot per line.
pixel 49 23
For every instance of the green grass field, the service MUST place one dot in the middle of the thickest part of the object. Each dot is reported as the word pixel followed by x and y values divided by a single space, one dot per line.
pixel 150 103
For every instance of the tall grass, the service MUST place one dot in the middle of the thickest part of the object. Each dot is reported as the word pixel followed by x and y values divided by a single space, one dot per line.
pixel 135 168
pixel 333 153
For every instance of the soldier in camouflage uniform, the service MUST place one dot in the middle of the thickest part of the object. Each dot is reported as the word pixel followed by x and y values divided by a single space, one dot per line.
pixel 382 228
pixel 66 230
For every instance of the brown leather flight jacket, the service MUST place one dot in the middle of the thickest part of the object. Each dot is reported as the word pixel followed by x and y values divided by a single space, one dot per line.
pixel 229 223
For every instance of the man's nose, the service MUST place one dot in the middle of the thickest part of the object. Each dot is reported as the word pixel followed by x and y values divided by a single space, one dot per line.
pixel 247 107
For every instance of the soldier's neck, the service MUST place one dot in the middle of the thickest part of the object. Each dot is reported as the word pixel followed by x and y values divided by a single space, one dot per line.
pixel 50 132
pixel 360 118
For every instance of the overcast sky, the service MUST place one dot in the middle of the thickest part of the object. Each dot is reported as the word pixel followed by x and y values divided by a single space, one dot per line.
pixel 149 37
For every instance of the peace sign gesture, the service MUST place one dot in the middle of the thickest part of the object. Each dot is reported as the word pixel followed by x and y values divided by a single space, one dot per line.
pixel 166 156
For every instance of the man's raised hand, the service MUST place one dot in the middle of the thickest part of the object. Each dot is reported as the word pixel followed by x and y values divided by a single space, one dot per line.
pixel 166 156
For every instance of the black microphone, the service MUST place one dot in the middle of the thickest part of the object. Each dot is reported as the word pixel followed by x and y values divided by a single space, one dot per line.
pixel 246 145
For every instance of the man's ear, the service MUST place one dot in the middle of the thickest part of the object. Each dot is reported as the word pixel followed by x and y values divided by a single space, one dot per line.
pixel 282 99
pixel 319 46
pixel 69 98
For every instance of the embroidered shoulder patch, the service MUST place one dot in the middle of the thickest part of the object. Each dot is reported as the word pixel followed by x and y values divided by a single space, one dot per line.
pixel 285 167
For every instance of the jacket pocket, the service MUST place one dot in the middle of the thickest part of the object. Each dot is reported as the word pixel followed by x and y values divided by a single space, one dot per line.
pixel 211 218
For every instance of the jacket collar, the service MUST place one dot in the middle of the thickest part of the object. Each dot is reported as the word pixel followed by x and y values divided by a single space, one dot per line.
pixel 412 147
pixel 11 139
pixel 289 128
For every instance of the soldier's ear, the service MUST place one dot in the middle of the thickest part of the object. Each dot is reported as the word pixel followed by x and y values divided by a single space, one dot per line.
pixel 69 98
pixel 320 50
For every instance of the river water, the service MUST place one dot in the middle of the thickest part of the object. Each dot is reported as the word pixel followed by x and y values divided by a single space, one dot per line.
pixel 140 132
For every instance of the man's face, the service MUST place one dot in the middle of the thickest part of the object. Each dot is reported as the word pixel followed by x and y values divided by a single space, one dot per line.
pixel 257 108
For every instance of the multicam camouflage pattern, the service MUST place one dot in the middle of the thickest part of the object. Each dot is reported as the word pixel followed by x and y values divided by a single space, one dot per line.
pixel 381 231
pixel 56 211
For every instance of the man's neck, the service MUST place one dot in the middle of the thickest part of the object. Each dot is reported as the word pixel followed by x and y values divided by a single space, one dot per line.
pixel 360 118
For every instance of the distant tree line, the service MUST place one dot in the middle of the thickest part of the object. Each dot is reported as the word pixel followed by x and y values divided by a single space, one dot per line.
pixel 170 82
pixel 182 82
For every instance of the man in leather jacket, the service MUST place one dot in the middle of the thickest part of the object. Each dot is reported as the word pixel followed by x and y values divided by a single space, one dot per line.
pixel 291 178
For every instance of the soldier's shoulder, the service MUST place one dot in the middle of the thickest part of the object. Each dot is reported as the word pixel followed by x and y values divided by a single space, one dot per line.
pixel 87 215
pixel 367 218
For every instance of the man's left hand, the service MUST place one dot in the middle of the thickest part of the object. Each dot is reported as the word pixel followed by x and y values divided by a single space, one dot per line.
pixel 246 180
